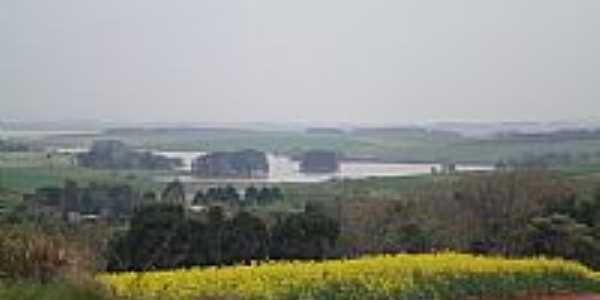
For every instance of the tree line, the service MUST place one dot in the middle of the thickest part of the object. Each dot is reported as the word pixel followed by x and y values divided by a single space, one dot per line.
pixel 164 235
pixel 229 194
pixel 508 213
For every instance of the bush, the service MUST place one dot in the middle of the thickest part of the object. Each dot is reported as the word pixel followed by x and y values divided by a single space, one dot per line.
pixel 33 254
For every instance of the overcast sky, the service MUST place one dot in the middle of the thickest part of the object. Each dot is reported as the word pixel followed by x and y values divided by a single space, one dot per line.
pixel 312 61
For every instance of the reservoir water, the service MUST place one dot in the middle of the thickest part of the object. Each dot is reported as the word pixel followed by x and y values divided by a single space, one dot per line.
pixel 284 169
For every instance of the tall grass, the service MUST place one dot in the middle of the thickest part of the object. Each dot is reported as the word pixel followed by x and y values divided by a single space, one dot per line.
pixel 39 263
pixel 59 290
pixel 32 253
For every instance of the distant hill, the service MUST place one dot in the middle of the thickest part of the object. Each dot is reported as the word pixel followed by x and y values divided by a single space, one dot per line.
pixel 324 130
pixel 124 131
pixel 404 131
pixel 491 129
pixel 564 135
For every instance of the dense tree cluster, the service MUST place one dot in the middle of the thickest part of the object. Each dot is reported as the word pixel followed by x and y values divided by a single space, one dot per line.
pixel 163 236
pixel 557 136
pixel 319 161
pixel 549 160
pixel 114 202
pixel 569 229
pixel 252 196
pixel 11 146
pixel 245 164
pixel 174 192
pixel 113 154
pixel 513 212
pixel 510 213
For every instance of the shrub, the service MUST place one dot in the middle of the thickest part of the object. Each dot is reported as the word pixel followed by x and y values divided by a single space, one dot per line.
pixel 33 254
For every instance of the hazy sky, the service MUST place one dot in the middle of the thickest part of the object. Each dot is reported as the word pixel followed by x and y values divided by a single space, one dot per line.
pixel 322 61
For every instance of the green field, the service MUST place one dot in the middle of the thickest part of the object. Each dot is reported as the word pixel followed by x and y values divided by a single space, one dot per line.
pixel 369 188
pixel 24 172
pixel 28 179
pixel 393 146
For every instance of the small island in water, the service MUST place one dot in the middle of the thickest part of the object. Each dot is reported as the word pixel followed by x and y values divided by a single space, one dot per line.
pixel 239 164
pixel 114 154
pixel 320 161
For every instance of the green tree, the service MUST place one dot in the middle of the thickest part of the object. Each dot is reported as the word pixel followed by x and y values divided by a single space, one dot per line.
pixel 199 198
pixel 251 195
pixel 309 235
pixel 122 199
pixel 149 197
pixel 231 195
pixel 560 235
pixel 214 237
pixel 264 196
pixel 276 194
pixel 71 197
pixel 245 239
pixel 157 238
pixel 174 193
pixel 589 211
pixel 212 194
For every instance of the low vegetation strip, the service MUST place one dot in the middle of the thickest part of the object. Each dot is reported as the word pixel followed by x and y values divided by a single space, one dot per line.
pixel 405 276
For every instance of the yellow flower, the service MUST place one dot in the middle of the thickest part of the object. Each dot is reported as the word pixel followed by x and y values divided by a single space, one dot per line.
pixel 434 276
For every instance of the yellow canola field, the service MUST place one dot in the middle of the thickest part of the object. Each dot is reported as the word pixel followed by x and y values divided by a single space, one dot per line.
pixel 404 276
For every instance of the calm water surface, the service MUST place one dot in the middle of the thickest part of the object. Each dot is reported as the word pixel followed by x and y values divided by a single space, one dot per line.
pixel 283 169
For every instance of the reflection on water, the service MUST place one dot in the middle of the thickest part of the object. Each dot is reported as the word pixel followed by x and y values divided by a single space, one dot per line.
pixel 185 156
pixel 283 169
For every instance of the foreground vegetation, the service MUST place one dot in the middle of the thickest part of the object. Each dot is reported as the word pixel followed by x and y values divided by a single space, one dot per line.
pixel 404 276
pixel 49 263
pixel 60 290
pixel 545 203
pixel 46 263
